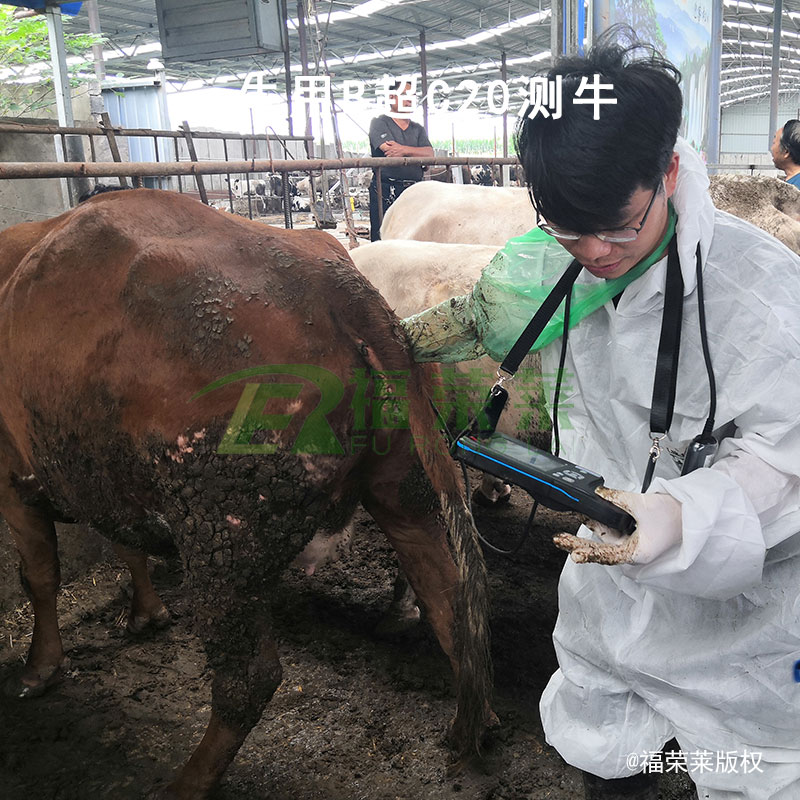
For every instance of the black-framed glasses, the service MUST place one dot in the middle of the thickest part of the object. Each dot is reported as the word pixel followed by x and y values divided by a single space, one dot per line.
pixel 624 234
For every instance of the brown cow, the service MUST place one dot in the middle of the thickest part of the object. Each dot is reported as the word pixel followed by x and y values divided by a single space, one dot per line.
pixel 135 332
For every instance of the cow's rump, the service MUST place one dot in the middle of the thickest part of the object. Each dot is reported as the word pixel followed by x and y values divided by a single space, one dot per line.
pixel 173 374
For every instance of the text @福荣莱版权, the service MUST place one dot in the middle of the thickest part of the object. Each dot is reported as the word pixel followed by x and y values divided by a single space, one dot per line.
pixel 745 762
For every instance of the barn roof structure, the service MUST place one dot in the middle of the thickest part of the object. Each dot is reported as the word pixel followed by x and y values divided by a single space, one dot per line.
pixel 366 39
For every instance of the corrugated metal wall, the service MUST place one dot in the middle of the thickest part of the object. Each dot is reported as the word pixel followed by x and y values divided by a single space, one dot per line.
pixel 141 107
pixel 744 129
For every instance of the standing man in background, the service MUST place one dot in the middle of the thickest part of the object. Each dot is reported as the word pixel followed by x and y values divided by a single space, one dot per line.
pixel 393 135
pixel 785 151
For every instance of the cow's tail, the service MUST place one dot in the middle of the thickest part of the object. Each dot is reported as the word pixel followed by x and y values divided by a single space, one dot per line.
pixel 471 634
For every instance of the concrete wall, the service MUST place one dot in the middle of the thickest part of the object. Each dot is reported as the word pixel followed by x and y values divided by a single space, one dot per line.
pixel 745 137
pixel 35 198
pixel 28 200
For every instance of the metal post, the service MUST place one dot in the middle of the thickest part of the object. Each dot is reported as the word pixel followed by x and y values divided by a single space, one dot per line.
pixel 97 49
pixel 201 188
pixel 715 66
pixel 379 190
pixel 105 121
pixel 777 13
pixel 423 66
pixel 504 76
pixel 230 191
pixel 601 18
pixel 177 159
pixel 287 65
pixel 556 29
pixel 589 22
pixel 247 180
pixel 287 202
pixel 58 56
pixel 505 170
pixel 73 146
pixel 301 35
pixel 572 24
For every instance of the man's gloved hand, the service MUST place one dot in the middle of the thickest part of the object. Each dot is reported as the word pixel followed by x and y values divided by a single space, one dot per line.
pixel 658 528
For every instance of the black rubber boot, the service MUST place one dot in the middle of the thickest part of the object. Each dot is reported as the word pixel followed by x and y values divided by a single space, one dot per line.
pixel 643 786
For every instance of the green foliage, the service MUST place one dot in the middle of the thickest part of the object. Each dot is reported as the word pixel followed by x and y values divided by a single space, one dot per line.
pixel 24 43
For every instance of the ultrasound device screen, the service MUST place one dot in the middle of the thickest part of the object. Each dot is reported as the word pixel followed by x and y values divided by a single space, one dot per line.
pixel 554 482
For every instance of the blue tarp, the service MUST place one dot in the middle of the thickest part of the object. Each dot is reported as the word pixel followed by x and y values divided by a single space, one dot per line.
pixel 68 8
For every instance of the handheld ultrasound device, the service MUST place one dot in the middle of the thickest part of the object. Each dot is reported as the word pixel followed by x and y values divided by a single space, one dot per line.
pixel 554 482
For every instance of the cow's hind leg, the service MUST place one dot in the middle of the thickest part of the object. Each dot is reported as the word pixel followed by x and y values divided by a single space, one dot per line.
pixel 402 500
pixel 147 610
pixel 35 538
pixel 403 613
pixel 404 504
pixel 237 636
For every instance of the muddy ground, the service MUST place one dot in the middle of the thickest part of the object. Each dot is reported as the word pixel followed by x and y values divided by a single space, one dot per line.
pixel 357 717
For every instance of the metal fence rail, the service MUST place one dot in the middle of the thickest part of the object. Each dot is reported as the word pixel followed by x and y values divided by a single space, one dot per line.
pixel 73 169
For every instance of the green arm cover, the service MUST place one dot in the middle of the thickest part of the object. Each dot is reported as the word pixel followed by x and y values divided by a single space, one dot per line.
pixel 509 292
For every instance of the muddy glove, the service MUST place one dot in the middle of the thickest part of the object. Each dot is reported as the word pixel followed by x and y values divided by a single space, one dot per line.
pixel 658 528
pixel 445 333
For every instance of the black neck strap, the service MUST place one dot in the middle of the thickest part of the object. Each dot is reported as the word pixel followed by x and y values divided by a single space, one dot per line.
pixel 485 423
pixel 540 319
pixel 669 345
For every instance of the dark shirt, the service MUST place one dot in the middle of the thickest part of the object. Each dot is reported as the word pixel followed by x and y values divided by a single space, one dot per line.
pixel 384 129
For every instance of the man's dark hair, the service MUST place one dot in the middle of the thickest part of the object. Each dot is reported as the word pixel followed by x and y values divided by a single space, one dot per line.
pixel 582 172
pixel 790 139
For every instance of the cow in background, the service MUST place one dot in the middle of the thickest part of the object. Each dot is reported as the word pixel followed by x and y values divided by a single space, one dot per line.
pixel 441 212
pixel 413 276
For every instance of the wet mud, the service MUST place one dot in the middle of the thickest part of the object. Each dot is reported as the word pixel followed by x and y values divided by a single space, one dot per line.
pixel 357 716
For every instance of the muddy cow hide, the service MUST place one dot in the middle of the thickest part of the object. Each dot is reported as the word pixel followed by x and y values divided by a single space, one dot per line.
pixel 161 364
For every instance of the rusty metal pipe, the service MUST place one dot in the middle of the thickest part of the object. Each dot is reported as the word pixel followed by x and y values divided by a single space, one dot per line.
pixel 38 169
pixel 10 127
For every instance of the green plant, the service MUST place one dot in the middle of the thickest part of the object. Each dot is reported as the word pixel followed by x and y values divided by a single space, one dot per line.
pixel 26 76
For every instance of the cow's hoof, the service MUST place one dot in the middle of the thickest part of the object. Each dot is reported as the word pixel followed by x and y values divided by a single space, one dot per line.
pixel 145 623
pixel 501 498
pixel 395 623
pixel 26 687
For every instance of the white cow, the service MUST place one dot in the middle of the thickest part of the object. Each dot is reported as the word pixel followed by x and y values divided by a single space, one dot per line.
pixel 413 276
pixel 431 211
pixel 445 212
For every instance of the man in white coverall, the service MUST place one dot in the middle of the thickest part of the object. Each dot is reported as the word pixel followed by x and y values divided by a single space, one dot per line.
pixel 689 628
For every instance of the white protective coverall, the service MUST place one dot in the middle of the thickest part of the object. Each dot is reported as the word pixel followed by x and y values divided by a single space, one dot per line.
pixel 701 643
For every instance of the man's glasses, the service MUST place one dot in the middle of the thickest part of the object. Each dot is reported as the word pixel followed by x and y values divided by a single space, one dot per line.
pixel 624 234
